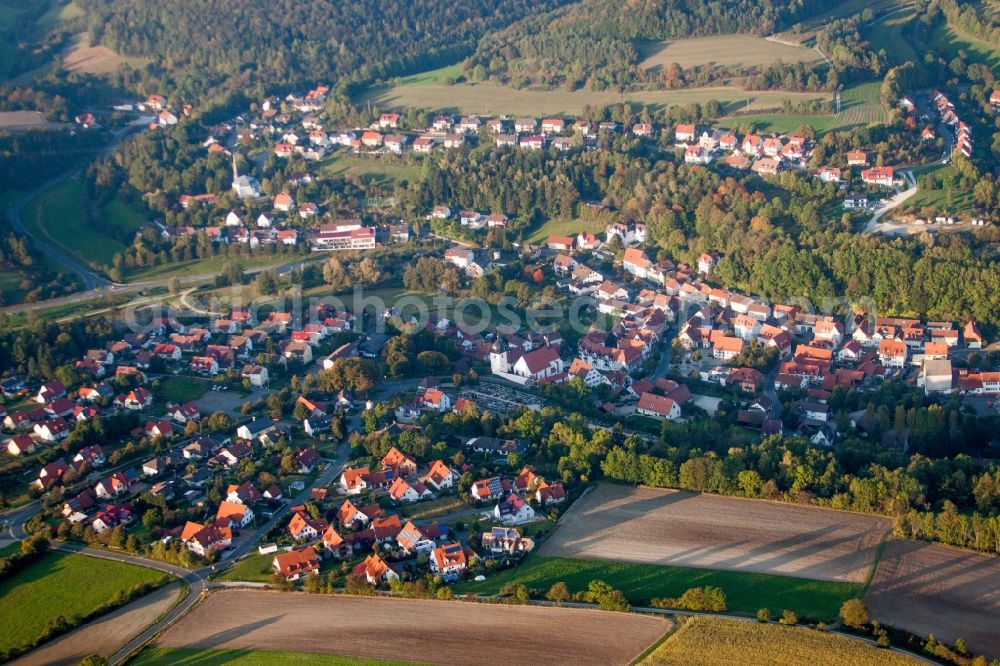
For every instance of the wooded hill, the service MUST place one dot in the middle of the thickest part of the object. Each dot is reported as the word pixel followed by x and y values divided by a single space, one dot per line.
pixel 205 44
pixel 594 42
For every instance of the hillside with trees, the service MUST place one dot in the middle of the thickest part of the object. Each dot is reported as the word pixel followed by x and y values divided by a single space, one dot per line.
pixel 594 43
pixel 200 46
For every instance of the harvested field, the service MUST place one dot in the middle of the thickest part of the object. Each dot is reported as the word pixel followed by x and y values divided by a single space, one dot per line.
pixel 678 528
pixel 490 98
pixel 708 641
pixel 383 628
pixel 722 50
pixel 25 120
pixel 107 634
pixel 932 589
pixel 82 56
pixel 195 657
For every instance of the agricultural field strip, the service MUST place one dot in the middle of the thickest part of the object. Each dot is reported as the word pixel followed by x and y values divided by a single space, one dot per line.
pixel 490 98
pixel 707 641
pixel 705 531
pixel 722 50
pixel 934 589
pixel 452 632
pixel 105 634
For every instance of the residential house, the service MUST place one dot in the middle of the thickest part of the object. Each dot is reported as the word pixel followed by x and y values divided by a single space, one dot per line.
pixel 256 375
pixel 303 527
pixel 513 511
pixel 53 430
pixel 658 407
pixel 233 515
pixel 880 176
pixel 49 391
pixel 21 445
pixel 401 464
pixel 296 564
pixel 402 490
pixel 440 477
pixel 490 489
pixel 561 243
pixel 554 493
pixel 684 132
pixel 726 347
pixel 449 560
pixel 335 544
pixel 857 158
pixel 892 353
pixel 505 541
pixel 375 570
pixel 636 262
pixel 766 166
pixel 244 493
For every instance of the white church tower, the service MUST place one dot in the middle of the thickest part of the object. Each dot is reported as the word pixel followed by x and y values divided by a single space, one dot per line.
pixel 246 187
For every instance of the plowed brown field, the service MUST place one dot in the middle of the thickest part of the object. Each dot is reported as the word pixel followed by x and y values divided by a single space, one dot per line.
pixel 427 631
pixel 678 528
pixel 927 588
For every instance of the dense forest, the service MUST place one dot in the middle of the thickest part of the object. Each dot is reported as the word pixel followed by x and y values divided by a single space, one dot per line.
pixel 204 48
pixel 593 43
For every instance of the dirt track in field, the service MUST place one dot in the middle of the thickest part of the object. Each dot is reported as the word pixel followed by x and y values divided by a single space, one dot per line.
pixel 105 635
pixel 932 589
pixel 427 631
pixel 678 528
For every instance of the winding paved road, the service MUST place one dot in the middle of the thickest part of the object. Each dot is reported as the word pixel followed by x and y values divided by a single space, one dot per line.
pixel 48 246
pixel 109 289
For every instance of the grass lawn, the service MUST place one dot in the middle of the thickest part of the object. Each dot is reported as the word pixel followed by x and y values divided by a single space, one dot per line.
pixel 434 75
pixel 561 226
pixel 120 215
pixel 782 123
pixel 859 106
pixel 181 389
pixel 163 656
pixel 950 201
pixel 380 169
pixel 745 592
pixel 950 40
pixel 717 640
pixel 210 266
pixel 255 568
pixel 62 584
pixel 58 214
pixel 432 509
pixel 889 33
